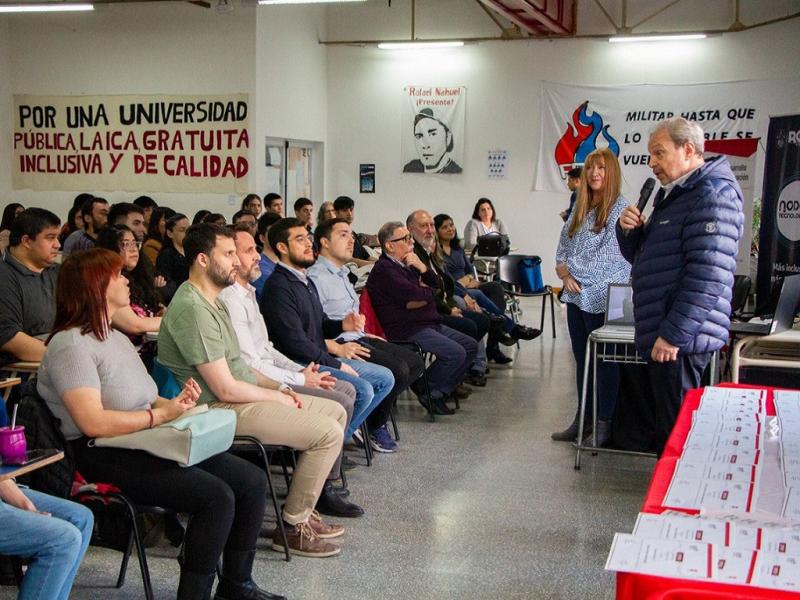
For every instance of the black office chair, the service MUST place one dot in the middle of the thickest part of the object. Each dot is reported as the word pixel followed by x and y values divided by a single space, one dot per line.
pixel 508 274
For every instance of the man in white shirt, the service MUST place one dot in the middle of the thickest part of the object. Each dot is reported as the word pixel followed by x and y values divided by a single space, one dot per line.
pixel 259 353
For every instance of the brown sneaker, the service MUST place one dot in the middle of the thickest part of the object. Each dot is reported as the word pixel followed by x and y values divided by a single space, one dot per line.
pixel 304 541
pixel 324 530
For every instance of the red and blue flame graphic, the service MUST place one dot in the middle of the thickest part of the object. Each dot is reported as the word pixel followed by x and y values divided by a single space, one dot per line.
pixel 581 138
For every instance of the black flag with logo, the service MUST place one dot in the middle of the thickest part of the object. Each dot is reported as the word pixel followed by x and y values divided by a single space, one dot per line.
pixel 779 235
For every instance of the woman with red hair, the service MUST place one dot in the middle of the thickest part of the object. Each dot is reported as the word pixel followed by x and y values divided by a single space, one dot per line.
pixel 94 382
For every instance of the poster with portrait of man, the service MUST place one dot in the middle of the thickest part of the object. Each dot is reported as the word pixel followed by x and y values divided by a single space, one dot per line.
pixel 432 136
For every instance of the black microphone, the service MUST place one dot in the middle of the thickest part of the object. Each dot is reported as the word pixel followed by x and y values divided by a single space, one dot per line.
pixel 644 196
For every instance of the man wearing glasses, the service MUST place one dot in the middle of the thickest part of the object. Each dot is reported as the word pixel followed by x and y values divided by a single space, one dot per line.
pixel 402 290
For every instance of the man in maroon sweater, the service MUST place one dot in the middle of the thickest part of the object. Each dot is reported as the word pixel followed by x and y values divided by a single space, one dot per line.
pixel 402 292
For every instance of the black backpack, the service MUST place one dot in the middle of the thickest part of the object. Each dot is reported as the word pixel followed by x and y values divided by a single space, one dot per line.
pixel 43 430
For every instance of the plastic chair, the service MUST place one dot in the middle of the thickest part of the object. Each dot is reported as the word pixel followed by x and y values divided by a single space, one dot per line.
pixel 508 275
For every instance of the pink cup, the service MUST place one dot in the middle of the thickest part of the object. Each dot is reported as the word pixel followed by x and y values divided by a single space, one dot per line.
pixel 12 444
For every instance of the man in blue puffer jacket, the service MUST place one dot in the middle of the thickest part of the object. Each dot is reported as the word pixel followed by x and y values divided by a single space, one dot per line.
pixel 684 259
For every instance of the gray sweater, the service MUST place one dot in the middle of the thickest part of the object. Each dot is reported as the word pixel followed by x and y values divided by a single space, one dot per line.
pixel 112 366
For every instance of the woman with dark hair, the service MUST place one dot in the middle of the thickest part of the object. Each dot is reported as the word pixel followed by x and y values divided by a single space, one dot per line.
pixel 146 307
pixel 171 261
pixel 93 383
pixel 252 204
pixel 588 258
pixel 200 215
pixel 484 220
pixel 73 223
pixel 154 240
pixel 10 213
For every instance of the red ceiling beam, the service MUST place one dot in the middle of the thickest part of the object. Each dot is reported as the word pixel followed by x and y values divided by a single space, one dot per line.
pixel 537 17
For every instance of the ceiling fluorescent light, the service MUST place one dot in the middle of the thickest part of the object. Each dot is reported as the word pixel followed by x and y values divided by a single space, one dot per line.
pixel 618 39
pixel 52 7
pixel 271 2
pixel 418 45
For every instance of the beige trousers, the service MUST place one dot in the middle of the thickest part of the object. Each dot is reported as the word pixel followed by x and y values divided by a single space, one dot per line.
pixel 316 430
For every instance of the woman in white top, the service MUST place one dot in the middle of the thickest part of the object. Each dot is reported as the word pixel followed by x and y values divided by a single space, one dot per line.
pixel 484 220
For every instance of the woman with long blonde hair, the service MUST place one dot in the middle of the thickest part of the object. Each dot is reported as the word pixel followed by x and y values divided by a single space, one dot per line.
pixel 587 260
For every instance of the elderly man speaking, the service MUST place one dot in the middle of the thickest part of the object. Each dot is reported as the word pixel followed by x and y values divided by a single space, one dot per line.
pixel 683 258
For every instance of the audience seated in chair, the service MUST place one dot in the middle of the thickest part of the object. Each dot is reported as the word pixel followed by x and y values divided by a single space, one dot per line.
pixel 197 340
pixel 303 332
pixel 338 298
pixel 28 273
pixel 93 382
pixel 402 290
pixel 146 307
pixel 94 213
pixel 171 262
pixel 130 215
pixel 259 353
pixel 50 532
pixel 489 295
pixel 461 314
pixel 156 230
pixel 267 259
pixel 345 209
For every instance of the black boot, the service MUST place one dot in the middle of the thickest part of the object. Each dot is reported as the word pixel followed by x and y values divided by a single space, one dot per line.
pixel 236 582
pixel 195 586
pixel 495 355
pixel 332 504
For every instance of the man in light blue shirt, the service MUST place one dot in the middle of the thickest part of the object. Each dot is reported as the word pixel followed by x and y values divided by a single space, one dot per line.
pixel 334 238
pixel 267 260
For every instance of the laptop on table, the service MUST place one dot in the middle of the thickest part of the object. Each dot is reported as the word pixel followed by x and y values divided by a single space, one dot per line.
pixel 785 310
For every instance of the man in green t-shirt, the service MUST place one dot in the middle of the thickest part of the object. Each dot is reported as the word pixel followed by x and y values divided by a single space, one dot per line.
pixel 197 340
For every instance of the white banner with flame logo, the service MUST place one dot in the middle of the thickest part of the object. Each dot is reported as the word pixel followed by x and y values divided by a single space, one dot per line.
pixel 577 119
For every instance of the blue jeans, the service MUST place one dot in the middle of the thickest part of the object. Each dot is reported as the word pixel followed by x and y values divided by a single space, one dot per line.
pixel 486 304
pixel 55 544
pixel 373 384
pixel 454 353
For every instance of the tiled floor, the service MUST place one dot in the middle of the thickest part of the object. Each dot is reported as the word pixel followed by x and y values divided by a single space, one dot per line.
pixel 477 505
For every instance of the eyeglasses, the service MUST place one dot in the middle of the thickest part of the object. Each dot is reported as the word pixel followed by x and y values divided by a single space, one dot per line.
pixel 406 238
pixel 303 239
pixel 131 245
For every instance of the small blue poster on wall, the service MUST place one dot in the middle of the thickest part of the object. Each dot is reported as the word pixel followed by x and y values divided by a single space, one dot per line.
pixel 366 177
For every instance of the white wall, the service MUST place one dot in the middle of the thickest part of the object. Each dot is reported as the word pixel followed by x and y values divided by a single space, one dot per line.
pixel 291 81
pixel 160 48
pixel 503 81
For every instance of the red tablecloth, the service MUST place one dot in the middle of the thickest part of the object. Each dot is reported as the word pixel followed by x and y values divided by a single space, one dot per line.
pixel 634 586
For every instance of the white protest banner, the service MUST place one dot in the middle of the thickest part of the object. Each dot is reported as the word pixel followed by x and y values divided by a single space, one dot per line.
pixel 577 119
pixel 432 140
pixel 188 143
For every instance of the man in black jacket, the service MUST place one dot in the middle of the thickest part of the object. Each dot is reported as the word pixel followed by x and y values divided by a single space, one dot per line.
pixel 302 331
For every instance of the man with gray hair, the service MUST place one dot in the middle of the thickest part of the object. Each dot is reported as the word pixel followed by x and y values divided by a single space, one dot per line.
pixel 684 259
pixel 402 291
